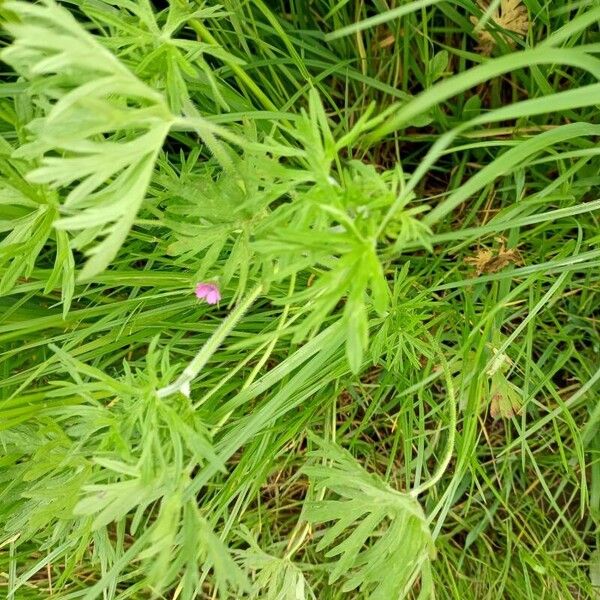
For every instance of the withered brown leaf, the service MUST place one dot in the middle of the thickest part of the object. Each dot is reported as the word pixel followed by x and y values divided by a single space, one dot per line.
pixel 488 261
pixel 512 15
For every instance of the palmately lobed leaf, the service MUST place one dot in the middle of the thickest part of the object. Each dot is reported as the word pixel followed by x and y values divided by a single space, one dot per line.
pixel 377 532
pixel 341 160
pixel 93 96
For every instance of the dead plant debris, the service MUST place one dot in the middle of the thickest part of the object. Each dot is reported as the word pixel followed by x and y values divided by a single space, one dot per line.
pixel 511 15
pixel 491 261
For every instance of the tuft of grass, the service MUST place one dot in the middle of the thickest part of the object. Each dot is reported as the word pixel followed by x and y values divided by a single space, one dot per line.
pixel 395 396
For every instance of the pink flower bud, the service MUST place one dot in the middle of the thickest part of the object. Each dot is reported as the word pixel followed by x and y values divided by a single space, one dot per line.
pixel 209 292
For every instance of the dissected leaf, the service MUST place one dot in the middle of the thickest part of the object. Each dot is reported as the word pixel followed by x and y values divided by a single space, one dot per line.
pixel 379 539
pixel 88 95
pixel 274 578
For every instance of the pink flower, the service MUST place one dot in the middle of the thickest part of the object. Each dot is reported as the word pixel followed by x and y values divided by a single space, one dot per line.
pixel 209 292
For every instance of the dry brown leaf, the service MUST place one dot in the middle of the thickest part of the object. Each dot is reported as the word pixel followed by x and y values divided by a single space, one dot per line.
pixel 512 16
pixel 486 261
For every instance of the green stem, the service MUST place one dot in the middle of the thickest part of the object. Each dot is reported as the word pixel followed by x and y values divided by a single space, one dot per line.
pixel 182 383
pixel 441 470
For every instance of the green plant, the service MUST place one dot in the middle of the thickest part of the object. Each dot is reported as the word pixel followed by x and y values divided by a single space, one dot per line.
pixel 394 398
